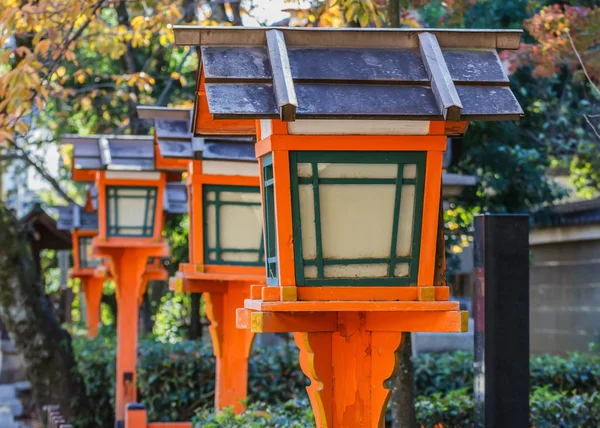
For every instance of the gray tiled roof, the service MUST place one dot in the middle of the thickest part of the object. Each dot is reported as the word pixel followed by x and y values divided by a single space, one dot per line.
pixel 291 73
pixel 112 152
pixel 175 140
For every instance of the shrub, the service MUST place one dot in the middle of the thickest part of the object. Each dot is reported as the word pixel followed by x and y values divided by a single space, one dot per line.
pixel 549 409
pixel 175 380
pixel 452 371
pixel 295 413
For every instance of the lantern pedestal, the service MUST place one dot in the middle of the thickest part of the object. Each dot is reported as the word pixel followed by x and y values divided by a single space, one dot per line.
pixel 92 290
pixel 223 295
pixel 348 348
pixel 128 261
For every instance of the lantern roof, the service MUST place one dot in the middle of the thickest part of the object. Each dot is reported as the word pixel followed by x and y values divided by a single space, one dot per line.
pixel 112 152
pixel 76 217
pixel 316 73
pixel 175 140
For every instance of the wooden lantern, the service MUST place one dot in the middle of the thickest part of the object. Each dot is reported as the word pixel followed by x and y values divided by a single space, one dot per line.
pixel 352 126
pixel 132 200
pixel 226 249
pixel 90 271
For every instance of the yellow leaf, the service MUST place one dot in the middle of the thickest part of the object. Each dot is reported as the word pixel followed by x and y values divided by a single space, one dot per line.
pixel 42 47
pixel 21 127
pixel 175 75
pixel 81 78
pixel 60 71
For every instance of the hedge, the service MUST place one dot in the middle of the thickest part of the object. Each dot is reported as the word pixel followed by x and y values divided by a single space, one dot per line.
pixel 175 380
pixel 549 409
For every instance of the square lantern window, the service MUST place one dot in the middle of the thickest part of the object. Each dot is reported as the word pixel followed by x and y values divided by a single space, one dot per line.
pixel 232 225
pixel 357 217
pixel 269 218
pixel 131 210
pixel 85 261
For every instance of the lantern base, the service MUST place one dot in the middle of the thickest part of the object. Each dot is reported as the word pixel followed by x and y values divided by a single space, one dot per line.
pixel 348 349
pixel 223 294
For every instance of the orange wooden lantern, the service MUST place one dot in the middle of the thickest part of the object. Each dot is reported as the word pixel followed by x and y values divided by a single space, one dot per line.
pixel 352 125
pixel 131 197
pixel 225 239
pixel 91 272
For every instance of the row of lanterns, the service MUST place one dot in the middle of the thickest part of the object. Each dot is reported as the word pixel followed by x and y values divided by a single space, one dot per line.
pixel 299 221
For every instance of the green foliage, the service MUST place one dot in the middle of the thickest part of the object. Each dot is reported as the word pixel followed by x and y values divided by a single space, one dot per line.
pixel 175 380
pixel 549 409
pixel 295 413
pixel 452 371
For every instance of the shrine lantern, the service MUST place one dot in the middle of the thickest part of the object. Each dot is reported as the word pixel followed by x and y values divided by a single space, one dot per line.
pixel 226 250
pixel 91 271
pixel 352 127
pixel 132 200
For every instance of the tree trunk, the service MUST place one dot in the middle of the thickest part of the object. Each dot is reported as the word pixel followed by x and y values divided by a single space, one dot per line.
pixel 403 395
pixel 45 347
pixel 393 13
pixel 195 318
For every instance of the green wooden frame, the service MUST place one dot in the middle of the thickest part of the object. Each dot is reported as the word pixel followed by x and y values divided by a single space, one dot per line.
pixel 272 263
pixel 84 242
pixel 146 230
pixel 217 189
pixel 398 158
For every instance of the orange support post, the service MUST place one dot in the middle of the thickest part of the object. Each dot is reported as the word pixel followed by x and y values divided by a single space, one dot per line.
pixel 92 290
pixel 231 346
pixel 128 266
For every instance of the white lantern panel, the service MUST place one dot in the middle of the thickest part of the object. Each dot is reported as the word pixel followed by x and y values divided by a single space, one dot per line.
pixel 405 227
pixel 402 270
pixel 356 220
pixel 378 270
pixel 357 170
pixel 310 272
pixel 131 210
pixel 240 226
pixel 307 221
pixel 233 225
pixel 240 257
pixel 304 170
pixel 410 171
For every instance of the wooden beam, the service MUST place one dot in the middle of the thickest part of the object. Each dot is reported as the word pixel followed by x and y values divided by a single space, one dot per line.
pixel 387 38
pixel 104 148
pixel 441 82
pixel 282 322
pixel 282 76
pixel 412 322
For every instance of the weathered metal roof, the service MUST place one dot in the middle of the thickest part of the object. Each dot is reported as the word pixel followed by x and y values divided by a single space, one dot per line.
pixel 354 73
pixel 112 152
pixel 75 217
pixel 175 140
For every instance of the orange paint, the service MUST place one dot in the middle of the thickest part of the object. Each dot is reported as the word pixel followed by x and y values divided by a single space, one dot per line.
pixel 231 346
pixel 167 164
pixel 283 218
pixel 92 291
pixel 431 205
pixel 437 127
pixel 136 418
pixel 350 143
pixel 348 391
pixel 128 265
pixel 345 306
